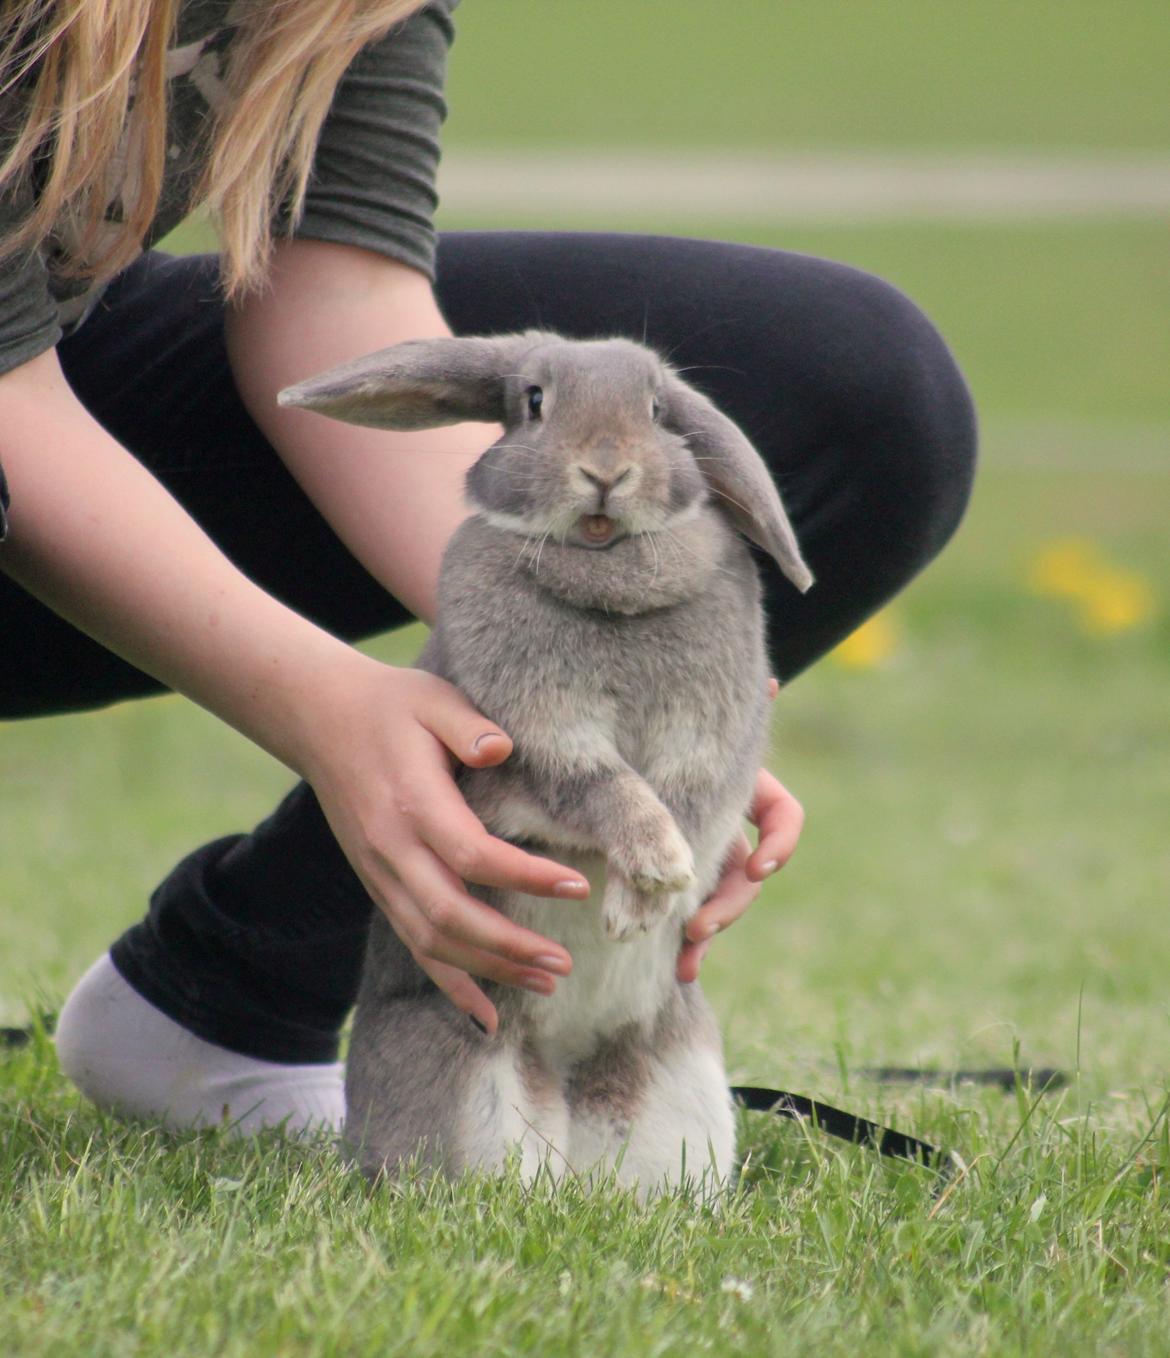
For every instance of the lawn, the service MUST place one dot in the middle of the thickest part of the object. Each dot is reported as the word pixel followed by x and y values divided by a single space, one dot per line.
pixel 813 74
pixel 985 872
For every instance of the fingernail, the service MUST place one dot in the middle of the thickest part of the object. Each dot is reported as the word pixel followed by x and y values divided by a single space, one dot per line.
pixel 487 735
pixel 541 984
pixel 770 867
pixel 550 963
pixel 481 1026
pixel 570 888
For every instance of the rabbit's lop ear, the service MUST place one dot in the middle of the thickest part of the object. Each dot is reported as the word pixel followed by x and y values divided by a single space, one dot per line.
pixel 739 481
pixel 416 385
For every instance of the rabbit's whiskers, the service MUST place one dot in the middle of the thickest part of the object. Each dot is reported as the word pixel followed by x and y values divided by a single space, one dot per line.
pixel 685 549
pixel 731 500
pixel 650 542
pixel 668 354
pixel 544 537
pixel 711 367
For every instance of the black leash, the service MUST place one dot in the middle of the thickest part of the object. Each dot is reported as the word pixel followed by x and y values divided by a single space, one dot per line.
pixel 21 1037
pixel 845 1126
pixel 887 1140
pixel 1007 1078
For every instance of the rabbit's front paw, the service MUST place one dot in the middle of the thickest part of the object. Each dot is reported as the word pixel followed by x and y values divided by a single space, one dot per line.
pixel 627 912
pixel 657 860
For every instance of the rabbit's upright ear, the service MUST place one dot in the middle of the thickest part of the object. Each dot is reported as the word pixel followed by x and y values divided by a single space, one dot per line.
pixel 739 481
pixel 419 384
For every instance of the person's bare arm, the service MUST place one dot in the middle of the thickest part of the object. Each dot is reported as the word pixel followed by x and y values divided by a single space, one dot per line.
pixel 102 543
pixel 393 498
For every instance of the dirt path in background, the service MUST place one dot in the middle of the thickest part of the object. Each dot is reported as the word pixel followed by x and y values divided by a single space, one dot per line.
pixel 711 186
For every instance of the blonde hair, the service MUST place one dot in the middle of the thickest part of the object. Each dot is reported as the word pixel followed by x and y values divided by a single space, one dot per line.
pixel 92 75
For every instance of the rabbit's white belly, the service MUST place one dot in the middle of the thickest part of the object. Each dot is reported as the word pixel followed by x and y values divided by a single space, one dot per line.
pixel 611 985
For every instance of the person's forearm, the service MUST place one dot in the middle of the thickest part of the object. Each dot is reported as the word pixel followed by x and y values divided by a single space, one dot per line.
pixel 96 538
pixel 101 542
pixel 393 498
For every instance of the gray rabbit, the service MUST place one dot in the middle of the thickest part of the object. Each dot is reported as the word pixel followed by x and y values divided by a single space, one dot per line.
pixel 601 606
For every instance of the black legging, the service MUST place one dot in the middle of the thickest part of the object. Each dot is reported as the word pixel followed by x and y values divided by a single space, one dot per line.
pixel 254 942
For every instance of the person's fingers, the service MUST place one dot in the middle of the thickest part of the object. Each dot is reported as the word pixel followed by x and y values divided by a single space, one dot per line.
pixel 733 893
pixel 444 822
pixel 452 965
pixel 432 804
pixel 463 730
pixel 447 921
pixel 773 687
pixel 779 817
pixel 731 897
pixel 454 982
pixel 690 959
pixel 462 991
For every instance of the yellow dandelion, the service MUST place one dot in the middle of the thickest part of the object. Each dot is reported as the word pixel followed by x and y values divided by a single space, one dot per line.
pixel 871 645
pixel 1068 567
pixel 1117 602
pixel 1107 598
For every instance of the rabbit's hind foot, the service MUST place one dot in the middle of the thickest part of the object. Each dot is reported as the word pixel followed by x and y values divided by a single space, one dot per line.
pixel 659 1124
pixel 513 1111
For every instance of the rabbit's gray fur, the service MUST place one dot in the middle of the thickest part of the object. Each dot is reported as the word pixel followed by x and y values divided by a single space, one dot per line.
pixel 631 676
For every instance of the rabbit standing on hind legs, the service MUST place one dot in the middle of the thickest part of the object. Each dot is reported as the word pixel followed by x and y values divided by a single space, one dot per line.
pixel 600 605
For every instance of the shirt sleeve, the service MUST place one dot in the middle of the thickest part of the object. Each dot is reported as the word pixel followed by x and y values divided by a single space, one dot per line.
pixel 28 312
pixel 373 181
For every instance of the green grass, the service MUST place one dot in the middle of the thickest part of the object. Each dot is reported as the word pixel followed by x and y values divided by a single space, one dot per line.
pixel 985 867
pixel 128 1242
pixel 813 74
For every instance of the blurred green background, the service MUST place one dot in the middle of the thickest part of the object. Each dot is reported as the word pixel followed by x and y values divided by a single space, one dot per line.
pixel 985 768
pixel 823 74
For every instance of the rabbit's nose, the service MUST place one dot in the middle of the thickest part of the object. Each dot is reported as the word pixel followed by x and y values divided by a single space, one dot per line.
pixel 603 482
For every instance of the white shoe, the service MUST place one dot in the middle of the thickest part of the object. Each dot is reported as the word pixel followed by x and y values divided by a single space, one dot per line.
pixel 129 1057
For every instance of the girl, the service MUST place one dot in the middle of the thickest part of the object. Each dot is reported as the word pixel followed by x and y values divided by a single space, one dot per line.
pixel 169 526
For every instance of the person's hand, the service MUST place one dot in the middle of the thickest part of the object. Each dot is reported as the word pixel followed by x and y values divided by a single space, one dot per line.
pixel 381 765
pixel 779 818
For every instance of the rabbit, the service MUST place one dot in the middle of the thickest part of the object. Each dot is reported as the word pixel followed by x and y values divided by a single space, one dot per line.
pixel 601 605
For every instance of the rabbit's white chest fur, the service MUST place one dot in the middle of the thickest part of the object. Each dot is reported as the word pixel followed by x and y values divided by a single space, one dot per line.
pixel 611 986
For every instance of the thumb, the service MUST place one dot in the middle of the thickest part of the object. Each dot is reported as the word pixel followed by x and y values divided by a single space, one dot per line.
pixel 468 734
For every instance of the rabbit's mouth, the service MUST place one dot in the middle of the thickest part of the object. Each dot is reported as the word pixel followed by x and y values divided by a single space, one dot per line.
pixel 597 530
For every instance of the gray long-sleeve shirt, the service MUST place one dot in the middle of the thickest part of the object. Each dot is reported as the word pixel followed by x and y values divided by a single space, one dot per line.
pixel 373 175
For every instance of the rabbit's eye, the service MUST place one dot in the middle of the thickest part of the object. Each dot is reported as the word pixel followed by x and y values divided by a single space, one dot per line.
pixel 535 402
pixel 655 407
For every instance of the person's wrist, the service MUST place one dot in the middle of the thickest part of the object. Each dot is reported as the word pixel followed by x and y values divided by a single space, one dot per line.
pixel 329 706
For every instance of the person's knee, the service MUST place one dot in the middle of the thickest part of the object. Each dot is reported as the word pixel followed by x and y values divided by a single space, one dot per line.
pixel 867 389
pixel 896 417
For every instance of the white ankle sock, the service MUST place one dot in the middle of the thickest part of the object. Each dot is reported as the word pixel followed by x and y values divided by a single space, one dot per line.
pixel 129 1057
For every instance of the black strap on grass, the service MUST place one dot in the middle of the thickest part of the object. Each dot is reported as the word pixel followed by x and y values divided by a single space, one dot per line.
pixel 886 1140
pixel 21 1037
pixel 845 1126
pixel 1007 1078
